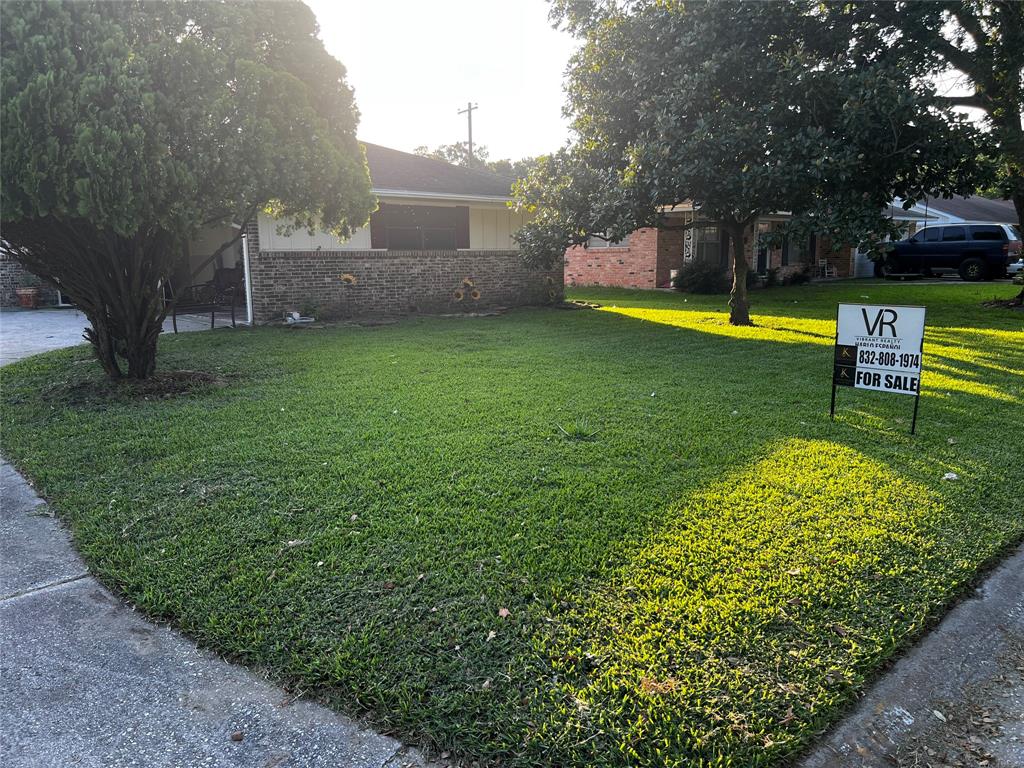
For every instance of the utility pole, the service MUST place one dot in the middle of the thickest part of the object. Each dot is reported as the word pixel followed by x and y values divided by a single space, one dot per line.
pixel 468 112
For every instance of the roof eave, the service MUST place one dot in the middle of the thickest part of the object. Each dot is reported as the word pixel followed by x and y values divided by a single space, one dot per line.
pixel 414 193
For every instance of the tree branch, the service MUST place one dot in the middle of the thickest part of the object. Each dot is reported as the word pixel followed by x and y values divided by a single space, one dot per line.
pixel 971 24
pixel 976 100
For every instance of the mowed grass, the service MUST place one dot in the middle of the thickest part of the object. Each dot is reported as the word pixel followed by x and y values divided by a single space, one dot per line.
pixel 629 536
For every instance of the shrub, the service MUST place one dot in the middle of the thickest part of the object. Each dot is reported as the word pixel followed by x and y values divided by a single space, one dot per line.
pixel 798 277
pixel 702 276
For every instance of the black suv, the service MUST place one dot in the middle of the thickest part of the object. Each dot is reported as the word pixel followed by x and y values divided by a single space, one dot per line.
pixel 978 250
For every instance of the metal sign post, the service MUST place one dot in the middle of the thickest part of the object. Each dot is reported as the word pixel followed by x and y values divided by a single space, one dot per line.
pixel 879 347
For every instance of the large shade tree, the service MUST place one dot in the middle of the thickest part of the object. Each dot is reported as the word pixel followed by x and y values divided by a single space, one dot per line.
pixel 982 40
pixel 127 127
pixel 742 110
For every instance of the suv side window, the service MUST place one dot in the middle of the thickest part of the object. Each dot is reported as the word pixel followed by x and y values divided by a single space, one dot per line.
pixel 931 235
pixel 987 233
pixel 953 233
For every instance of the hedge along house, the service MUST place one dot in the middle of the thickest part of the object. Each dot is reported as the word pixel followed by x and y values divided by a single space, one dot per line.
pixel 650 257
pixel 440 242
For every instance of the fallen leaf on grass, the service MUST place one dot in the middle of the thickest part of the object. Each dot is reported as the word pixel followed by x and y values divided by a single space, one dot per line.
pixel 504 613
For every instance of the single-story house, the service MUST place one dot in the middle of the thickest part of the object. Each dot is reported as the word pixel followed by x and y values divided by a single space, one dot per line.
pixel 650 257
pixel 440 241
pixel 959 209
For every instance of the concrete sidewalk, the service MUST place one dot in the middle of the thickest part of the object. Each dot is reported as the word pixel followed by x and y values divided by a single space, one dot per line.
pixel 86 681
pixel 955 700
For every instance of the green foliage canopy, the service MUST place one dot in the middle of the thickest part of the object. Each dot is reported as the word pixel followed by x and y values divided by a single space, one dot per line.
pixel 458 154
pixel 172 114
pixel 129 126
pixel 742 109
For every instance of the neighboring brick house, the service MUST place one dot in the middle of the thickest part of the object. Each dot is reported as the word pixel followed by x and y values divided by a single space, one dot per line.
pixel 14 276
pixel 650 257
pixel 441 241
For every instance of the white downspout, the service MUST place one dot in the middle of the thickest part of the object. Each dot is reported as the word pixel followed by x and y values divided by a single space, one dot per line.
pixel 248 280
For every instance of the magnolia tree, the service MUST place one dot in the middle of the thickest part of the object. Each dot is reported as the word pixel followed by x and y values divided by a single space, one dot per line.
pixel 982 41
pixel 129 126
pixel 741 109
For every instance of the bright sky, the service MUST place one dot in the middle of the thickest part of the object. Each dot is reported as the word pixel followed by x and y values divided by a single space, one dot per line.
pixel 415 63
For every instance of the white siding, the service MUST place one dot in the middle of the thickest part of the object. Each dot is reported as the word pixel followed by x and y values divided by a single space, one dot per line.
pixel 301 240
pixel 490 228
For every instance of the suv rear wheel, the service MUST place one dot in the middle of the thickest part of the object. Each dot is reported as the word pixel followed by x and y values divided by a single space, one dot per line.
pixel 973 270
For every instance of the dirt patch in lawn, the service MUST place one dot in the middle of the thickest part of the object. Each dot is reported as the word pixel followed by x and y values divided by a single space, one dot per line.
pixel 96 392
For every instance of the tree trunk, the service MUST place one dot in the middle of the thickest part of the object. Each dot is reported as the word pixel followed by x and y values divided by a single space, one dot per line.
pixel 739 306
pixel 116 281
pixel 140 351
pixel 102 344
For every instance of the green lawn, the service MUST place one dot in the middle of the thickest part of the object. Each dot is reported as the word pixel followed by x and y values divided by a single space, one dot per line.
pixel 390 518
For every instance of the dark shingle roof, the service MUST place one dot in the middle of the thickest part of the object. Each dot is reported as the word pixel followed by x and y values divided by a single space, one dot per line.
pixel 394 170
pixel 974 208
pixel 898 212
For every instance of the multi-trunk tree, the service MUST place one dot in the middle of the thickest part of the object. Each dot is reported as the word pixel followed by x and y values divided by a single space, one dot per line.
pixel 741 109
pixel 128 127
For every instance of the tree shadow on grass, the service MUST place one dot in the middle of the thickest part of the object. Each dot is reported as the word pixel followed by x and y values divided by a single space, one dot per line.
pixel 958 344
pixel 741 627
pixel 355 524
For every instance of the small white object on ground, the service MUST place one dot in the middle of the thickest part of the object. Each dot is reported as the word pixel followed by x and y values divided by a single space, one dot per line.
pixel 951 476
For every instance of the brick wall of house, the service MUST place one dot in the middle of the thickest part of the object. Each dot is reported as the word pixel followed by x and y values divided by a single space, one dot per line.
pixel 633 266
pixel 335 284
pixel 841 259
pixel 13 275
pixel 670 255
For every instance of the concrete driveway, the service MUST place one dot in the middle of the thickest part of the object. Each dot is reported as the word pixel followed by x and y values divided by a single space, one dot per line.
pixel 26 332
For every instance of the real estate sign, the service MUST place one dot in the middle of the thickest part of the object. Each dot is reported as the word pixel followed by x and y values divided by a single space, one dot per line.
pixel 879 347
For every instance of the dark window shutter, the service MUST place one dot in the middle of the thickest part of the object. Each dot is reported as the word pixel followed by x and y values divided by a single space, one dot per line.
pixel 462 226
pixel 378 229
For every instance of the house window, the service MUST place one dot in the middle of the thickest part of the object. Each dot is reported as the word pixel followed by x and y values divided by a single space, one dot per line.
pixel 420 227
pixel 596 241
pixel 707 241
pixel 439 238
pixel 796 251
